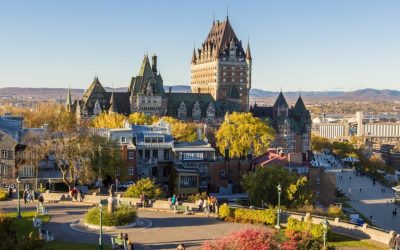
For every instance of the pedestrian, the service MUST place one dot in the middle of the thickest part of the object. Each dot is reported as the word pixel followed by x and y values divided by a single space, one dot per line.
pixel 129 245
pixel 200 204
pixel 25 195
pixel 180 247
pixel 392 242
pixel 81 195
pixel 41 200
pixel 173 201
pixel 10 192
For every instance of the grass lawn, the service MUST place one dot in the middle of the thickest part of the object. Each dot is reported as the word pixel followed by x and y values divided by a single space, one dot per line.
pixel 345 241
pixel 25 225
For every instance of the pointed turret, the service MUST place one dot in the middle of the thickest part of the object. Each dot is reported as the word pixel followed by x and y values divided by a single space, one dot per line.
pixel 248 54
pixel 299 107
pixel 194 56
pixel 113 106
pixel 68 102
pixel 281 101
pixel 145 69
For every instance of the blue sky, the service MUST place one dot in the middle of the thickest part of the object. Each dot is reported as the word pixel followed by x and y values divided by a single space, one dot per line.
pixel 308 45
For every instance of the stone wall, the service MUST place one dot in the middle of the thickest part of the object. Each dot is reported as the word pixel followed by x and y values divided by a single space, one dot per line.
pixel 350 229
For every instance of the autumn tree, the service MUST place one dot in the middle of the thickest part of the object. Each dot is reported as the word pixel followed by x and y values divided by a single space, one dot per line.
pixel 319 143
pixel 146 186
pixel 182 131
pixel 243 133
pixel 105 120
pixel 139 118
pixel 261 185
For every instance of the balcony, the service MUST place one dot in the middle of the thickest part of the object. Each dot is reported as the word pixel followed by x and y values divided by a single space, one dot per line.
pixel 148 161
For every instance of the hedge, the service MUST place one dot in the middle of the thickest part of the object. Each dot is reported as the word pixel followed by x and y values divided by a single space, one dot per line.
pixel 3 195
pixel 122 216
pixel 315 230
pixel 266 217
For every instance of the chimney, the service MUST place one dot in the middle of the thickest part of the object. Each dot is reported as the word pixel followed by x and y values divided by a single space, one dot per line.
pixel 154 63
pixel 169 90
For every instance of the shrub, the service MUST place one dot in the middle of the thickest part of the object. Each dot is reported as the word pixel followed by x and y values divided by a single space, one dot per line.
pixel 196 197
pixel 122 216
pixel 146 186
pixel 266 217
pixel 316 231
pixel 334 211
pixel 3 195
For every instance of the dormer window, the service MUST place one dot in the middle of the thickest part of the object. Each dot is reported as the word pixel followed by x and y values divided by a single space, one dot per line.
pixel 123 139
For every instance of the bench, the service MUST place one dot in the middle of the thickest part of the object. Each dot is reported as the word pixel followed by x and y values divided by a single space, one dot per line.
pixel 37 222
pixel 46 235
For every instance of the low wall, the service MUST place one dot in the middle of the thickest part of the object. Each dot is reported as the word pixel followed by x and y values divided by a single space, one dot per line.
pixel 346 228
pixel 95 199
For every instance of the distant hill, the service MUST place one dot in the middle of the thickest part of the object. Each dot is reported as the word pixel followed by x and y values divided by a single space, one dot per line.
pixel 259 95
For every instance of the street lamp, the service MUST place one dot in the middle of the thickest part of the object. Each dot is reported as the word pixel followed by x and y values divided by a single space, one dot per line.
pixel 101 227
pixel 19 200
pixel 325 224
pixel 278 226
pixel 100 179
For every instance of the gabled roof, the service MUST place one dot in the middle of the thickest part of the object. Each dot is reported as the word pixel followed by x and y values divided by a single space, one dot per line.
pixel 94 87
pixel 281 101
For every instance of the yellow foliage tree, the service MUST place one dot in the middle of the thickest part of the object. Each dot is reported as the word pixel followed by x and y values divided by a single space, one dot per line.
pixel 112 120
pixel 243 133
pixel 141 119
pixel 182 131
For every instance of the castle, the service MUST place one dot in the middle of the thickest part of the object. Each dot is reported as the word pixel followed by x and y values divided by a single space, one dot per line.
pixel 220 79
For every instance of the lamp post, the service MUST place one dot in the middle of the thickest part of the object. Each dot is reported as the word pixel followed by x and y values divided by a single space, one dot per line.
pixel 325 224
pixel 19 200
pixel 278 226
pixel 100 179
pixel 101 227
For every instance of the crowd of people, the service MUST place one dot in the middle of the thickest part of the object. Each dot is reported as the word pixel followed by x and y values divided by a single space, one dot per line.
pixel 208 205
pixel 77 194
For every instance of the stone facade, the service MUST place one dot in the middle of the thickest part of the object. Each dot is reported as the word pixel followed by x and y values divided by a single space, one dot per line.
pixel 146 94
pixel 221 67
pixel 292 125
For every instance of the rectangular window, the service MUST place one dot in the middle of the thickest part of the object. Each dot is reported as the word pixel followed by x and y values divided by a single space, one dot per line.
pixel 193 156
pixel 27 171
pixel 166 154
pixel 131 155
pixel 130 171
pixel 222 172
pixel 4 154
pixel 155 154
pixel 188 181
pixel 123 139
pixel 147 140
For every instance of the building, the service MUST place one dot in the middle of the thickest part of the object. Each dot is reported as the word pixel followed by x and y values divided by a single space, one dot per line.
pixel 292 125
pixel 197 155
pixel 221 67
pixel 146 94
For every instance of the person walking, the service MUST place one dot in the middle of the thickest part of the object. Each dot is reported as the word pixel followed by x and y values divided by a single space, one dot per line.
pixel 173 201
pixel 25 195
pixel 10 190
pixel 200 204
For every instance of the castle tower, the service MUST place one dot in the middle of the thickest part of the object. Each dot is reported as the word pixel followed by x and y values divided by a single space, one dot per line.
pixel 221 67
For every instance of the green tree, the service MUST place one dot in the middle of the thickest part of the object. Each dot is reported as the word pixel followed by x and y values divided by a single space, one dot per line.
pixel 319 143
pixel 243 133
pixel 261 185
pixel 146 186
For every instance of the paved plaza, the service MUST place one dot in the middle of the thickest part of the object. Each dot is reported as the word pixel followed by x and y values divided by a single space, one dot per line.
pixel 370 200
pixel 167 230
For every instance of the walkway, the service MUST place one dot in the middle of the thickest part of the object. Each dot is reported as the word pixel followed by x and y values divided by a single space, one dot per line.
pixel 166 232
pixel 370 200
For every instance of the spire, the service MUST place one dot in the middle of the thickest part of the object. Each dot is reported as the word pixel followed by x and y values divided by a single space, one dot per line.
pixel 281 101
pixel 113 107
pixel 194 56
pixel 69 102
pixel 299 107
pixel 248 54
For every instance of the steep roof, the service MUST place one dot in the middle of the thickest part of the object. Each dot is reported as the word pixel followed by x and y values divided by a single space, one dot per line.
pixel 95 86
pixel 299 107
pixel 248 54
pixel 120 102
pixel 281 101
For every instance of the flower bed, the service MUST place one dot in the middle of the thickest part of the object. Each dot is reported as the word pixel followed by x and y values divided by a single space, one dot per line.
pixel 266 217
pixel 122 216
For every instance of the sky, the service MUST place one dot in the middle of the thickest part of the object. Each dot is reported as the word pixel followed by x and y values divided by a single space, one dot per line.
pixel 307 45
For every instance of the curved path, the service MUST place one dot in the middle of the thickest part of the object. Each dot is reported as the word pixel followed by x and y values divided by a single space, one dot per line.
pixel 167 230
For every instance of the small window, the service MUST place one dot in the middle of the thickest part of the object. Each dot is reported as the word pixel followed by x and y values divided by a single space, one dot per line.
pixel 123 139
pixel 222 172
pixel 130 171
pixel 4 154
pixel 131 155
